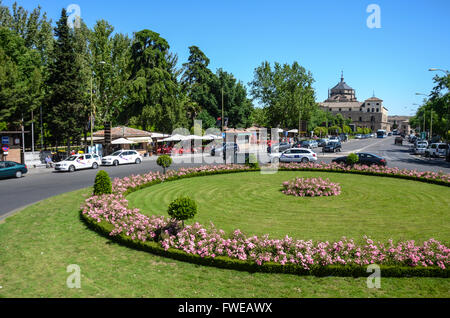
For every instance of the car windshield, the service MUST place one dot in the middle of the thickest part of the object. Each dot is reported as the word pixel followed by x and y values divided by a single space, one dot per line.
pixel 72 158
pixel 116 153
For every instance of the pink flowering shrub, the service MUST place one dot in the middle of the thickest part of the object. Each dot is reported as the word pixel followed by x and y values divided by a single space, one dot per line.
pixel 311 187
pixel 197 240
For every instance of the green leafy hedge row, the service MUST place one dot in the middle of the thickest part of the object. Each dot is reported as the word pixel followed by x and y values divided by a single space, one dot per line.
pixel 224 262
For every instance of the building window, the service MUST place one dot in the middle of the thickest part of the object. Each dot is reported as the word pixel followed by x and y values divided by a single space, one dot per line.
pixel 378 104
pixel 368 110
pixel 378 110
pixel 340 109
pixel 360 118
pixel 373 110
pixel 349 109
pixel 360 109
pixel 368 104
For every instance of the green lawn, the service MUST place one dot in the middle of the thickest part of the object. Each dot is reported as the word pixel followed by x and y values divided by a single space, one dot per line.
pixel 39 243
pixel 381 208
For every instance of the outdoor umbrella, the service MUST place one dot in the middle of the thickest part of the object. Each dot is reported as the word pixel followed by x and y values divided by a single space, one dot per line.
pixel 175 137
pixel 122 141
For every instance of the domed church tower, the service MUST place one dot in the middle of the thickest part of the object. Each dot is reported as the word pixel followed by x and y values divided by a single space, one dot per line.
pixel 342 92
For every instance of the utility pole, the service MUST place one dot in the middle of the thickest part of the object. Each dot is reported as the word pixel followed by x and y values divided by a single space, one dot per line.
pixel 42 133
pixel 431 125
pixel 91 119
pixel 32 131
pixel 223 119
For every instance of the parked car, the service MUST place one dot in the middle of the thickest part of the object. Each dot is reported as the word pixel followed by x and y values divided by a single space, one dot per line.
pixel 322 142
pixel 334 139
pixel 215 151
pixel 420 148
pixel 358 136
pixel 280 147
pixel 298 155
pixel 332 146
pixel 398 141
pixel 12 169
pixel 364 159
pixel 310 144
pixel 122 157
pixel 436 150
pixel 79 162
pixel 343 137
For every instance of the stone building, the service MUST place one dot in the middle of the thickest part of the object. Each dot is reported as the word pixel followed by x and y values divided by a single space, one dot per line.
pixel 401 123
pixel 368 114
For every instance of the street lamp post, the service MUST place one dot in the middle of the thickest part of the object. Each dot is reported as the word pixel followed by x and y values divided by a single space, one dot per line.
pixel 424 112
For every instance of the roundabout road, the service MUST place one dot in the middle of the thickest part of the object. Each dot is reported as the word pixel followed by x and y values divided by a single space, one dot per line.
pixel 40 184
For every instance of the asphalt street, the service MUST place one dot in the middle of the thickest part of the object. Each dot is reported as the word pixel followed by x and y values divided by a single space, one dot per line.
pixel 42 183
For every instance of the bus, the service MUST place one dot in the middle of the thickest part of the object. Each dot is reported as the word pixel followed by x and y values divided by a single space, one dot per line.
pixel 381 133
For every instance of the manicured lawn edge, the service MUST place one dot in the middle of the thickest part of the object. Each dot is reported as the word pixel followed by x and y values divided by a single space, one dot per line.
pixel 105 228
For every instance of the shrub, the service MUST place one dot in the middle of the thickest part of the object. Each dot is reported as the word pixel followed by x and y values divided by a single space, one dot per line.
pixel 183 208
pixel 102 184
pixel 164 161
pixel 252 161
pixel 352 159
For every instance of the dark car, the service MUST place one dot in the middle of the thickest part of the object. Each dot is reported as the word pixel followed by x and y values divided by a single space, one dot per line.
pixel 343 137
pixel 218 150
pixel 332 147
pixel 12 169
pixel 322 142
pixel 398 140
pixel 282 146
pixel 364 159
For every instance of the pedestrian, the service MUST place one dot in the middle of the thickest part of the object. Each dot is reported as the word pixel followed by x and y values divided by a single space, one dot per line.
pixel 48 162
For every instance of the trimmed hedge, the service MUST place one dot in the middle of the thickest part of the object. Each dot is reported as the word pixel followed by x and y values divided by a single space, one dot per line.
pixel 104 228
pixel 102 184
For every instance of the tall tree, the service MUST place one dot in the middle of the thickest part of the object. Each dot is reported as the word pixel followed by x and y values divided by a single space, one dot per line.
pixel 197 80
pixel 285 91
pixel 110 61
pixel 20 78
pixel 65 103
pixel 154 91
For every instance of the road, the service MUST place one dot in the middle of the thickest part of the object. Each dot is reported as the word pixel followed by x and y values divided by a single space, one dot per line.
pixel 40 184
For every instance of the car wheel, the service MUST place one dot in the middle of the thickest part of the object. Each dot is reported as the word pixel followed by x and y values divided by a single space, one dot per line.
pixel 95 165
pixel 116 163
pixel 18 174
pixel 305 160
pixel 71 168
pixel 138 161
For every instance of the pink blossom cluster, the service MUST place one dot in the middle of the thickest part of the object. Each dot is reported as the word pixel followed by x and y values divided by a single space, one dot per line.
pixel 311 187
pixel 365 168
pixel 196 239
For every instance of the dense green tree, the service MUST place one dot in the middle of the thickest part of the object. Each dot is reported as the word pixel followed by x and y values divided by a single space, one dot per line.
pixel 110 62
pixel 237 107
pixel 285 92
pixel 154 91
pixel 65 101
pixel 20 78
pixel 196 81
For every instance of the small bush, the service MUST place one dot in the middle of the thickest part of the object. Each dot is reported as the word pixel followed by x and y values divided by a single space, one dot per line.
pixel 352 159
pixel 164 161
pixel 251 161
pixel 183 208
pixel 102 184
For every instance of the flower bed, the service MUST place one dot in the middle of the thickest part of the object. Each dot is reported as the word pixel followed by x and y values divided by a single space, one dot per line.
pixel 110 215
pixel 311 187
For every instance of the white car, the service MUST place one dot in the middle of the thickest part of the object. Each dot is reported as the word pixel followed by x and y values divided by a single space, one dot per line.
pixel 436 150
pixel 298 155
pixel 122 157
pixel 420 148
pixel 79 162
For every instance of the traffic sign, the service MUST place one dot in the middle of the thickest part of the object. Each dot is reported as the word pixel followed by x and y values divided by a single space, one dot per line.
pixel 5 148
pixel 5 140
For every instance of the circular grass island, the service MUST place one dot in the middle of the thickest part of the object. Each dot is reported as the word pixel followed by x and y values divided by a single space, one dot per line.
pixel 377 207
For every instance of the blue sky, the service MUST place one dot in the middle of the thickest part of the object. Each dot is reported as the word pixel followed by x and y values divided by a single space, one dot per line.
pixel 323 36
